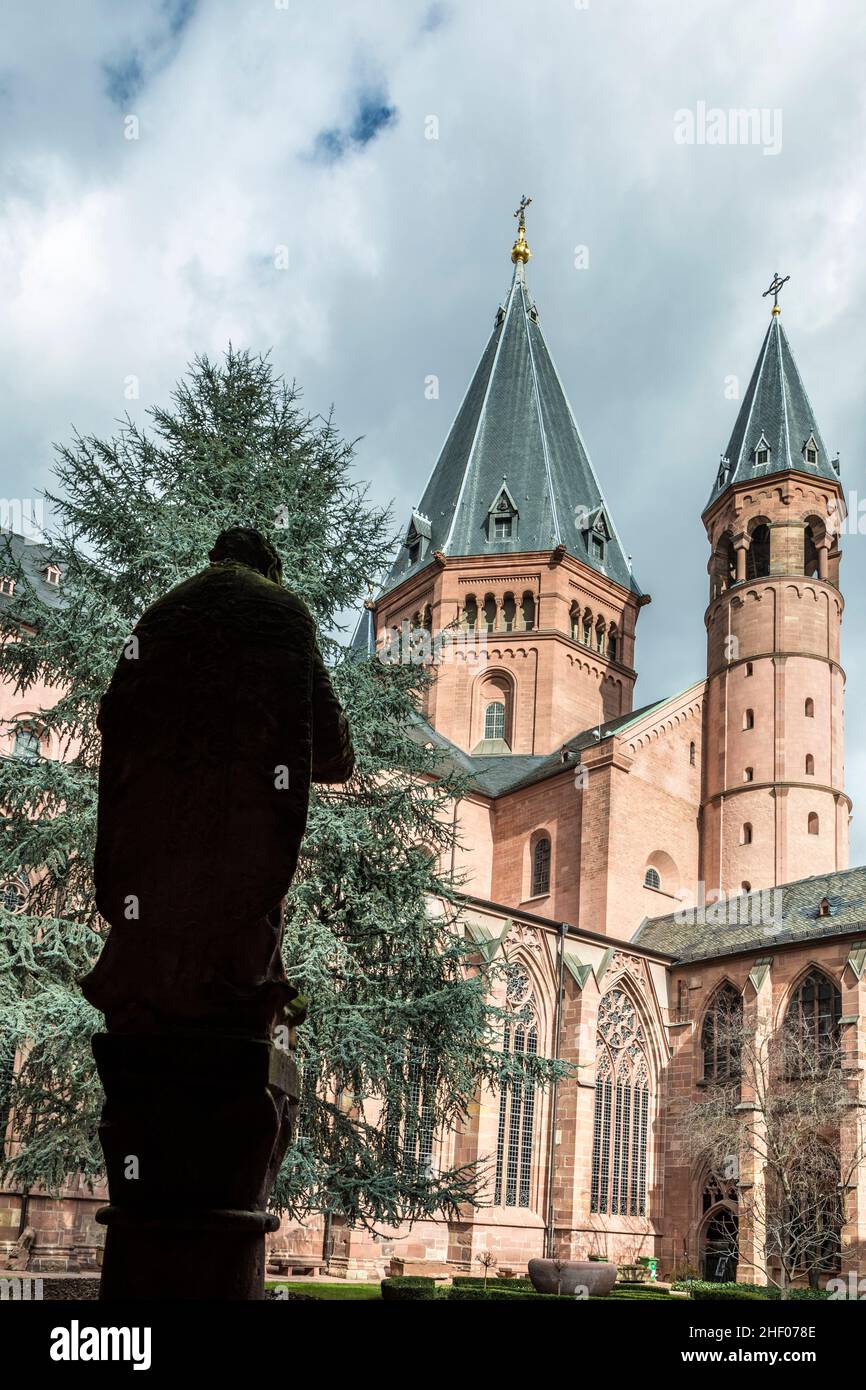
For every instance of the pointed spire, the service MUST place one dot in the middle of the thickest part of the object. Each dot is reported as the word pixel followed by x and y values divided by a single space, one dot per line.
pixel 776 430
pixel 514 475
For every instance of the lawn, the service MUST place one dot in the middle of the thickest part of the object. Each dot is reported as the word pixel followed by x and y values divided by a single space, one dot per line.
pixel 342 1290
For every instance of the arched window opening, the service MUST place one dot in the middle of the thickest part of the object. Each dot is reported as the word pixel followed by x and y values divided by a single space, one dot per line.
pixel 427 620
pixel 745 886
pixel 490 613
pixel 652 878
pixel 810 765
pixel 815 1012
pixel 509 612
pixel 27 744
pixel 515 1134
pixel 813 823
pixel 612 643
pixel 749 719
pixel 723 570
pixel 750 669
pixel 748 774
pixel 693 753
pixel 470 613
pixel 527 608
pixel 541 866
pixel 746 834
pixel 587 629
pixel 721 1034
pixel 758 554
pixel 599 635
pixel 574 623
pixel 809 708
pixel 622 1109
pixel 494 720
pixel 810 553
pixel 13 894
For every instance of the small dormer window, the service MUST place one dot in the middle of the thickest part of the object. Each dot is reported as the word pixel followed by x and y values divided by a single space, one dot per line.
pixel 414 551
pixel 762 452
pixel 763 456
pixel 598 548
pixel 417 537
pixel 52 574
pixel 810 450
pixel 7 585
pixel 824 909
pixel 502 516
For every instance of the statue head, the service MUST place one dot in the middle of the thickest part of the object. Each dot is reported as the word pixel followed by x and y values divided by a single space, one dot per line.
pixel 241 545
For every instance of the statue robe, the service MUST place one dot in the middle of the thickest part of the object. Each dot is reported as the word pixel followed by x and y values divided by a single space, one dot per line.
pixel 217 718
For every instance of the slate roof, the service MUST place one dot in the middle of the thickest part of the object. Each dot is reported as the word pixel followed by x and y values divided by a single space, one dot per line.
pixel 503 773
pixel 32 558
pixel 762 921
pixel 775 413
pixel 515 430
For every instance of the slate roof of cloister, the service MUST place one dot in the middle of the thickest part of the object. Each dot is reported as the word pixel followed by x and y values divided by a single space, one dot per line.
pixel 775 413
pixel 32 558
pixel 514 430
pixel 762 921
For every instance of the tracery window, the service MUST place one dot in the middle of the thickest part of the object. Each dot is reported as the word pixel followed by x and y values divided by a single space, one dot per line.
pixel 622 1097
pixel 720 1035
pixel 815 1011
pixel 515 1135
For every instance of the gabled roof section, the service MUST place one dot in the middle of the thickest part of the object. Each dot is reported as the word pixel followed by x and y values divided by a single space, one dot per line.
pixel 776 917
pixel 515 428
pixel 776 415
pixel 33 557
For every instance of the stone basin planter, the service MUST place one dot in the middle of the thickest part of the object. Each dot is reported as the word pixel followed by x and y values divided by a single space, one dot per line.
pixel 596 1276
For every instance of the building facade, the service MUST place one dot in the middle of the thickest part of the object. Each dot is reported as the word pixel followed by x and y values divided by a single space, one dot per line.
pixel 633 866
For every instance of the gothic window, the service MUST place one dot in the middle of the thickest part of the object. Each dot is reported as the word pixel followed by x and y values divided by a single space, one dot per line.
pixel 622 1096
pixel 749 719
pixel 541 866
pixel 27 745
pixel 408 1119
pixel 815 1010
pixel 7 1070
pixel 813 823
pixel 810 765
pixel 720 1034
pixel 494 720
pixel 809 708
pixel 516 1131
pixel 652 879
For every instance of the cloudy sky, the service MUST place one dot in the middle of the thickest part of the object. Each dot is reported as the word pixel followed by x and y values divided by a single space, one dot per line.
pixel 284 192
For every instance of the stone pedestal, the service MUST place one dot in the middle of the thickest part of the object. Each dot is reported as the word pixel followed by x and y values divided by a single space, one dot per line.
pixel 194 1128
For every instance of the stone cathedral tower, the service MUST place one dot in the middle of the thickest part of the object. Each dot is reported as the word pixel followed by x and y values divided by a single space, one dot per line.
pixel 773 805
pixel 513 539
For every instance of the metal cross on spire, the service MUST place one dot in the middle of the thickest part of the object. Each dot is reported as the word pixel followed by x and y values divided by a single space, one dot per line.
pixel 520 250
pixel 777 283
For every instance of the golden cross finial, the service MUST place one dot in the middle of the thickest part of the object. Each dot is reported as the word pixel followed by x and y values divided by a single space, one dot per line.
pixel 775 286
pixel 520 250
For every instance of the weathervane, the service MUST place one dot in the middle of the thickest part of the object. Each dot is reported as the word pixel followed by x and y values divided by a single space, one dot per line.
pixel 520 250
pixel 777 283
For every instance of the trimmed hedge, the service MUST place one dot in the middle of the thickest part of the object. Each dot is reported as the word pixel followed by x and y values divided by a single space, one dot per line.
pixel 698 1288
pixel 402 1288
pixel 728 1296
pixel 461 1294
pixel 474 1281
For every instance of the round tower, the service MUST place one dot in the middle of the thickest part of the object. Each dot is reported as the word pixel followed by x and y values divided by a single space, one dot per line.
pixel 773 806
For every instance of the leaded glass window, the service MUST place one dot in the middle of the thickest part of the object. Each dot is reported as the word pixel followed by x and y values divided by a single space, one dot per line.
pixel 516 1129
pixel 541 866
pixel 622 1112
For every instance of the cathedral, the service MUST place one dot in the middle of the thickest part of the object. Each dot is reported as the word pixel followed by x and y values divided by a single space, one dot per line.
pixel 634 866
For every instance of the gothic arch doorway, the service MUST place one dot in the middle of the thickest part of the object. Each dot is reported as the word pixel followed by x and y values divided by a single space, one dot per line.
pixel 719 1244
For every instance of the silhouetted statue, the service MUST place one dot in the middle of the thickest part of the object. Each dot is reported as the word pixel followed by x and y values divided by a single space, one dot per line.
pixel 219 714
